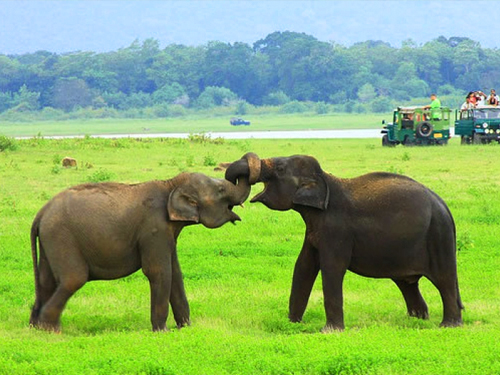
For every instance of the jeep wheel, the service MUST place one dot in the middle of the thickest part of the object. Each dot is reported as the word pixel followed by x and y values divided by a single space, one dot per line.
pixel 386 142
pixel 407 142
pixel 477 139
pixel 465 140
pixel 424 129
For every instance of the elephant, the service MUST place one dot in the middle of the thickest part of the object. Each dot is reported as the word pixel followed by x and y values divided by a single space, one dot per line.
pixel 108 230
pixel 378 225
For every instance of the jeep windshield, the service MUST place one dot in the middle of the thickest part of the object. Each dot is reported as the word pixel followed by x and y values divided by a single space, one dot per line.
pixel 486 113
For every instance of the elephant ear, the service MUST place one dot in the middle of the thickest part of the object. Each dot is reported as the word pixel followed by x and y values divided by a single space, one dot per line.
pixel 313 192
pixel 182 207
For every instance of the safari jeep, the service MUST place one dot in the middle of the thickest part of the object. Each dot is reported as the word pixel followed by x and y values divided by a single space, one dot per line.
pixel 417 126
pixel 479 125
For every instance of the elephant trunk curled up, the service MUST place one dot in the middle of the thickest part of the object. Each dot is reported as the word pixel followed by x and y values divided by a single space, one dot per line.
pixel 249 165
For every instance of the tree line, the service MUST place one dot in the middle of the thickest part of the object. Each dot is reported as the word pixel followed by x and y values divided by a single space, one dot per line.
pixel 284 67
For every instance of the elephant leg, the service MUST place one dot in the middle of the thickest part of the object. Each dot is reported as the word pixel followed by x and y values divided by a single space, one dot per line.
pixel 46 289
pixel 333 269
pixel 160 284
pixel 332 290
pixel 447 285
pixel 50 313
pixel 305 273
pixel 415 303
pixel 178 299
pixel 157 266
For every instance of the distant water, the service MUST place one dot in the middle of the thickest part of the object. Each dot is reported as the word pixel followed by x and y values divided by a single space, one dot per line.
pixel 295 134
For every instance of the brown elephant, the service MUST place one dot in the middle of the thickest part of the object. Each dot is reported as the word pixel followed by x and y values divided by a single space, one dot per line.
pixel 107 231
pixel 379 225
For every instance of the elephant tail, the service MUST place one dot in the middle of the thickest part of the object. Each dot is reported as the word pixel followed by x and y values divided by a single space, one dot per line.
pixel 35 311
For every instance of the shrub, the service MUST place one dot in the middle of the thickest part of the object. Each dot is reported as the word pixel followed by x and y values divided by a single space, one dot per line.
pixel 161 110
pixel 7 143
pixel 209 161
pixel 50 113
pixel 100 175
pixel 294 107
pixel 241 108
pixel 322 108
pixel 168 93
pixel 359 108
pixel 177 110
pixel 381 104
pixel 216 96
pixel 276 98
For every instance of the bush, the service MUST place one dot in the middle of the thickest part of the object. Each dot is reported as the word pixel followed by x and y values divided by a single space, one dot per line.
pixel 349 107
pixel 276 98
pixel 168 93
pixel 7 143
pixel 241 108
pixel 322 108
pixel 214 96
pixel 49 113
pixel 209 161
pixel 294 107
pixel 359 108
pixel 100 176
pixel 177 110
pixel 381 104
pixel 161 110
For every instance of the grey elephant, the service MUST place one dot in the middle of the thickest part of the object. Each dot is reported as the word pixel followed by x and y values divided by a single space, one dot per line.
pixel 107 231
pixel 379 225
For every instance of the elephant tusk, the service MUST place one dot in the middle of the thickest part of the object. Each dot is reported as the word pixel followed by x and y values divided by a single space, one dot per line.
pixel 241 205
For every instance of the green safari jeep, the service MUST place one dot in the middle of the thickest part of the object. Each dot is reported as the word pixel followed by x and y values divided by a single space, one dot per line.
pixel 417 126
pixel 479 125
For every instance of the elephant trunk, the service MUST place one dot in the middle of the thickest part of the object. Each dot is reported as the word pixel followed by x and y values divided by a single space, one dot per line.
pixel 238 193
pixel 248 166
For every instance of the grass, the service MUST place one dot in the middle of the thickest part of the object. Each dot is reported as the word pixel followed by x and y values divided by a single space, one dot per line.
pixel 238 278
pixel 193 124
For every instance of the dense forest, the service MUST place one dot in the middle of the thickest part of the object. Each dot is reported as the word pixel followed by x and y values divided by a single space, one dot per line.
pixel 282 68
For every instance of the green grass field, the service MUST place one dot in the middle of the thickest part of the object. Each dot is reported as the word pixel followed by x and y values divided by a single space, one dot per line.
pixel 238 278
pixel 193 124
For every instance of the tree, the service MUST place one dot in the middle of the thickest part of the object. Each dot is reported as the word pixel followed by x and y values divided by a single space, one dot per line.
pixel 216 96
pixel 8 70
pixel 366 93
pixel 168 93
pixel 26 97
pixel 70 93
pixel 178 64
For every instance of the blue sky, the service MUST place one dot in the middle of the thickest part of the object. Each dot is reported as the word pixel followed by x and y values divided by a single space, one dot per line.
pixel 105 25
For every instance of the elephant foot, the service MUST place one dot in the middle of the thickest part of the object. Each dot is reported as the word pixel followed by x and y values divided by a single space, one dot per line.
pixel 49 327
pixel 331 328
pixel 451 323
pixel 294 319
pixel 161 329
pixel 183 323
pixel 420 314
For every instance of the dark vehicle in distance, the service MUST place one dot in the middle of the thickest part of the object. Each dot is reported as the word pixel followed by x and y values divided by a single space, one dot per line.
pixel 235 121
pixel 479 125
pixel 417 126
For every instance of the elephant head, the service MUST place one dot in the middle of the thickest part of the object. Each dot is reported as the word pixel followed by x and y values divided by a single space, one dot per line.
pixel 289 182
pixel 197 198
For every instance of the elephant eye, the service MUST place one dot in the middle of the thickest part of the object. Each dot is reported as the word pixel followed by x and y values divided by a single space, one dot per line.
pixel 192 202
pixel 221 189
pixel 280 169
pixel 307 183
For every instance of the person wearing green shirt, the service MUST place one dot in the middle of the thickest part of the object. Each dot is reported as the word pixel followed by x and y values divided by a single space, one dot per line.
pixel 434 107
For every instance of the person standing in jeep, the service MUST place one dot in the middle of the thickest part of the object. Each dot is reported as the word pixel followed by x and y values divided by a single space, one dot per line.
pixel 434 106
pixel 492 99
pixel 435 103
